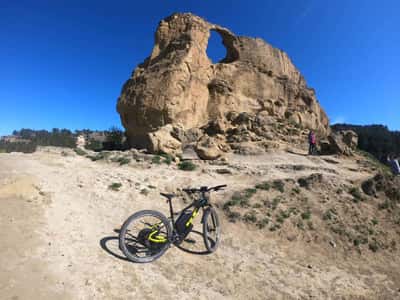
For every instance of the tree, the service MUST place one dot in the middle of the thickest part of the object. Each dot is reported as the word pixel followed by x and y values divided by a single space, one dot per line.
pixel 114 139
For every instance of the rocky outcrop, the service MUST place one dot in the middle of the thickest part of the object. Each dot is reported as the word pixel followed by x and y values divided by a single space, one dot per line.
pixel 179 85
pixel 342 142
pixel 350 138
pixel 207 148
pixel 161 141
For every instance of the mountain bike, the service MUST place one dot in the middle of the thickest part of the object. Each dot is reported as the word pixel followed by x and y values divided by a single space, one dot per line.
pixel 148 234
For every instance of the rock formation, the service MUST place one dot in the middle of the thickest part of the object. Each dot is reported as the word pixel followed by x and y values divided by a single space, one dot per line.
pixel 238 101
pixel 342 142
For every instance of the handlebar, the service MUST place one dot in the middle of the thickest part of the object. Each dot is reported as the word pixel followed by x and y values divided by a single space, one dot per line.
pixel 204 189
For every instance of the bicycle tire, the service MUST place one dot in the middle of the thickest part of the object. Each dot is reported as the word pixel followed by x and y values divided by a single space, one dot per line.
pixel 136 216
pixel 211 244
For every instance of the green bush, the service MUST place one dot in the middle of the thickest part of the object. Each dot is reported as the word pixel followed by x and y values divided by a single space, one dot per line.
pixel 275 202
pixel 248 193
pixel 187 166
pixel 296 190
pixel 233 216
pixel 115 186
pixel 330 214
pixel 80 152
pixel 355 192
pixel 262 223
pixel 250 217
pixel 98 156
pixel 278 185
pixel 263 186
pixel 306 215
pixel 156 159
pixel 167 158
pixel 94 145
pixel 237 199
pixel 123 161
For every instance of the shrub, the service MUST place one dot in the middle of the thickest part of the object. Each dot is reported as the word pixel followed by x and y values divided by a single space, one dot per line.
pixel 286 213
pixel 167 158
pixel 355 192
pixel 233 216
pixel 338 230
pixel 373 246
pixel 275 203
pixel 278 185
pixel 296 190
pixel 94 145
pixel 115 186
pixel 187 166
pixel 249 192
pixel 329 214
pixel 237 199
pixel 275 227
pixel 123 161
pixel 250 217
pixel 263 186
pixel 144 192
pixel 114 139
pixel 80 152
pixel 98 156
pixel 156 159
pixel 306 215
pixel 262 223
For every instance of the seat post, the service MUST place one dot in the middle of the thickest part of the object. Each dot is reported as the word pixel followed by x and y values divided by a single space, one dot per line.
pixel 171 210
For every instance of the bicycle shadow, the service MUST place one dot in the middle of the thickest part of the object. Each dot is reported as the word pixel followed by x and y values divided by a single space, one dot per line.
pixel 114 250
pixel 189 241
pixel 104 244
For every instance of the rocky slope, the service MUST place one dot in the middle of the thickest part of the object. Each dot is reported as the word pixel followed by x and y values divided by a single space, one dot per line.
pixel 241 99
pixel 294 227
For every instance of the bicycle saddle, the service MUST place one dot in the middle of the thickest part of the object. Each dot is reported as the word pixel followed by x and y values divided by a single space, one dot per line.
pixel 168 196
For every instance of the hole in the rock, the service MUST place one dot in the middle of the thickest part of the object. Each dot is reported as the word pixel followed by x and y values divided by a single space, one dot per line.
pixel 216 50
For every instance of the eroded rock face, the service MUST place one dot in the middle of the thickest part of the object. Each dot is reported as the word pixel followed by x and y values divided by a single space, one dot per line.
pixel 179 85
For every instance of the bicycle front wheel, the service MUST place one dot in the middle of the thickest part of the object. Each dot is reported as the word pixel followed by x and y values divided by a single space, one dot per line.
pixel 211 229
pixel 145 236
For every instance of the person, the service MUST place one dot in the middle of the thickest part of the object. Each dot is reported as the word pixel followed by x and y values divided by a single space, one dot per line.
pixel 394 164
pixel 312 143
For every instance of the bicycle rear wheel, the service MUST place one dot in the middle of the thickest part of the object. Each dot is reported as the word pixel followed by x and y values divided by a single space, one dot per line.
pixel 145 236
pixel 211 229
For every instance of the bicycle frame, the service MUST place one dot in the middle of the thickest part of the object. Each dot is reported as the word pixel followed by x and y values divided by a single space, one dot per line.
pixel 155 230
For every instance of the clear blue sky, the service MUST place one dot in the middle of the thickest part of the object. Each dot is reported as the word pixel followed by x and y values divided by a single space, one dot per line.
pixel 63 63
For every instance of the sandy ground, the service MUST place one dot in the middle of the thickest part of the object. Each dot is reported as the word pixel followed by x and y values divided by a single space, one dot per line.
pixel 58 219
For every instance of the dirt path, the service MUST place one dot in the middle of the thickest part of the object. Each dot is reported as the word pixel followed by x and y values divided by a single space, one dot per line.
pixel 58 218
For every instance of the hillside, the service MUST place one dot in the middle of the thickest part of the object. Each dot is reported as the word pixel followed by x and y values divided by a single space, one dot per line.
pixel 324 239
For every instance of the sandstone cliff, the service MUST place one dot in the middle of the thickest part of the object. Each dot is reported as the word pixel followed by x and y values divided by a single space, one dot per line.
pixel 179 85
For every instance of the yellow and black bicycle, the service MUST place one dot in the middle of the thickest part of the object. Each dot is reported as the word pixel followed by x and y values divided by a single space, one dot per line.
pixel 147 234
